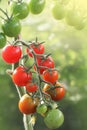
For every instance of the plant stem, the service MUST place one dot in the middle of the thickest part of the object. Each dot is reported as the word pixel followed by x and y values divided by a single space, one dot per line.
pixel 26 118
pixel 27 124
pixel 5 13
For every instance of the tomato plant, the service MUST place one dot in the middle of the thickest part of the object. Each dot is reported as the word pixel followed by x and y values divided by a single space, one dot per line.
pixel 50 76
pixel 11 27
pixel 2 40
pixel 54 119
pixel 36 6
pixel 20 77
pixel 56 93
pixel 11 54
pixel 20 9
pixel 27 105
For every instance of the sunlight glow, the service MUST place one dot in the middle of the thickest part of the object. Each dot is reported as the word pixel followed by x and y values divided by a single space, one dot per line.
pixel 81 4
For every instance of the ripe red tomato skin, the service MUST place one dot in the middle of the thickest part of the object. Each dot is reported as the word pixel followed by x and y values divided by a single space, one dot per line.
pixel 60 92
pixel 57 93
pixel 11 54
pixel 31 87
pixel 50 76
pixel 39 49
pixel 49 63
pixel 27 105
pixel 20 77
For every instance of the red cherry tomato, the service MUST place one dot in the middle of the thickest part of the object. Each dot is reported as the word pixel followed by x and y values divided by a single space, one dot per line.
pixel 44 63
pixel 30 87
pixel 27 105
pixel 50 76
pixel 20 77
pixel 38 49
pixel 11 54
pixel 56 93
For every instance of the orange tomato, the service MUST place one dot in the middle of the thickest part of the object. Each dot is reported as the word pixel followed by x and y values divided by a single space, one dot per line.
pixel 27 104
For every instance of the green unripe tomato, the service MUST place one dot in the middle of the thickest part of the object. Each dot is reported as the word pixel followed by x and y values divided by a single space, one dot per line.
pixel 81 25
pixel 21 10
pixel 2 40
pixel 58 11
pixel 41 109
pixel 73 18
pixel 54 119
pixel 37 6
pixel 11 27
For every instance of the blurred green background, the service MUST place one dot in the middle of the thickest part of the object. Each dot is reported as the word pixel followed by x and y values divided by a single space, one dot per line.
pixel 69 51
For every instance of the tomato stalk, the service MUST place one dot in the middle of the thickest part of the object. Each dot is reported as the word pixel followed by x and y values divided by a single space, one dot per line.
pixel 42 95
pixel 5 13
pixel 36 64
pixel 27 124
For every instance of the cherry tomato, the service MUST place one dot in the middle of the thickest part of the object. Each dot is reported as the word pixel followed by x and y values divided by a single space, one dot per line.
pixel 48 62
pixel 20 9
pixel 54 119
pixel 41 109
pixel 55 93
pixel 73 18
pixel 31 87
pixel 38 49
pixel 50 76
pixel 11 54
pixel 36 6
pixel 58 11
pixel 20 77
pixel 2 40
pixel 27 105
pixel 81 25
pixel 11 27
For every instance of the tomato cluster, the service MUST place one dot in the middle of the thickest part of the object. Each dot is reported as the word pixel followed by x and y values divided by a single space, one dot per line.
pixel 38 98
pixel 72 16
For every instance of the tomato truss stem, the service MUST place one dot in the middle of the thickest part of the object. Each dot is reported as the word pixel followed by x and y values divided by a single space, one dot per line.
pixel 5 13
